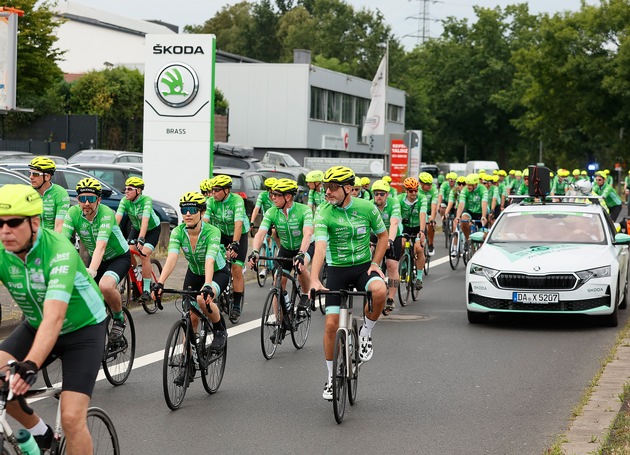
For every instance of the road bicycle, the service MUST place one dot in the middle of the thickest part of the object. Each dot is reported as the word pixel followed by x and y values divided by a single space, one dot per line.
pixel 323 276
pixel 407 273
pixel 276 317
pixel 100 425
pixel 471 247
pixel 269 248
pixel 130 286
pixel 188 352
pixel 457 242
pixel 447 228
pixel 425 247
pixel 346 363
pixel 225 300
pixel 118 356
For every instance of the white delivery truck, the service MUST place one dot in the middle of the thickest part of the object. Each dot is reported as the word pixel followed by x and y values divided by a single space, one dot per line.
pixel 473 167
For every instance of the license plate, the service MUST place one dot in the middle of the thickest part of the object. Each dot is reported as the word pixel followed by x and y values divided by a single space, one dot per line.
pixel 535 297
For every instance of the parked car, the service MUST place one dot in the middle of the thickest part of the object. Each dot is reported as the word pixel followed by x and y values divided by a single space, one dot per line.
pixel 549 258
pixel 27 157
pixel 225 161
pixel 13 152
pixel 68 177
pixel 10 177
pixel 246 184
pixel 106 156
pixel 113 174
pixel 302 195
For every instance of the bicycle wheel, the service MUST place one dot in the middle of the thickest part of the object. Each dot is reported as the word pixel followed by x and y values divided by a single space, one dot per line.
pixel 339 379
pixel 466 253
pixel 404 271
pixel 270 324
pixel 299 332
pixel 124 287
pixel 262 266
pixel 323 276
pixel 52 373
pixel 411 285
pixel 427 258
pixel 453 252
pixel 214 365
pixel 353 380
pixel 118 358
pixel 150 306
pixel 175 367
pixel 102 431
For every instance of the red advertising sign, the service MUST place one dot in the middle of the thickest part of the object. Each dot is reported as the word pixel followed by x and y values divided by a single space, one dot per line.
pixel 399 167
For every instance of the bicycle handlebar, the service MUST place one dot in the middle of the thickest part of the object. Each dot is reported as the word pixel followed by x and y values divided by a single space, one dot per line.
pixel 185 292
pixel 136 251
pixel 344 293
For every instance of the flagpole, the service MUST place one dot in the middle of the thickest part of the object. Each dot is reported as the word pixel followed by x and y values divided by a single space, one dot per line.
pixel 387 154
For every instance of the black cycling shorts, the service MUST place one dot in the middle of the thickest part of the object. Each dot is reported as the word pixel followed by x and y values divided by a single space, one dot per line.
pixel 338 278
pixel 151 238
pixel 196 282
pixel 242 246
pixel 118 266
pixel 284 253
pixel 81 353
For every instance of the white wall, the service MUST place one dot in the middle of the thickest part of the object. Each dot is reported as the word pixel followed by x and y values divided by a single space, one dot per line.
pixel 268 103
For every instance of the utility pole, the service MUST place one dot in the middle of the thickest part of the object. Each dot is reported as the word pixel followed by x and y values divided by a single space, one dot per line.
pixel 424 19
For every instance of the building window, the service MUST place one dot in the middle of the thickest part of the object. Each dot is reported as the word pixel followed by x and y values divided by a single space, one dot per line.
pixel 394 113
pixel 347 109
pixel 333 105
pixel 361 111
pixel 318 103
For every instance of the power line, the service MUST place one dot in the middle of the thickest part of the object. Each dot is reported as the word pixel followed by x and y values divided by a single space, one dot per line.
pixel 424 19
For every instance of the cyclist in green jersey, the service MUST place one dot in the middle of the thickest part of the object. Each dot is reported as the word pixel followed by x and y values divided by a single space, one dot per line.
pixel 392 191
pixel 413 211
pixel 430 192
pixel 205 187
pixel 356 189
pixel 207 270
pixel 342 238
pixel 55 197
pixel 95 225
pixel 365 192
pixel 226 211
pixel 145 227
pixel 444 191
pixel 263 201
pixel 608 193
pixel 473 204
pixel 560 185
pixel 294 225
pixel 64 315
pixel 491 195
pixel 316 195
pixel 389 208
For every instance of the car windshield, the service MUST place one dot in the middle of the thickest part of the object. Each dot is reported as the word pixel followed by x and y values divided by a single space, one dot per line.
pixel 549 227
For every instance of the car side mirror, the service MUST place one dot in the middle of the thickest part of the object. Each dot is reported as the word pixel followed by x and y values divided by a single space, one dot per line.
pixel 622 239
pixel 106 192
pixel 477 237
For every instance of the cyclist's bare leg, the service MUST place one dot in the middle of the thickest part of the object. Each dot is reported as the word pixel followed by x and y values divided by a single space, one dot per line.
pixel 419 252
pixel 430 233
pixel 379 294
pixel 74 407
pixel 466 226
pixel 304 277
pixel 146 265
pixel 214 317
pixel 393 277
pixel 237 277
pixel 107 285
pixel 330 330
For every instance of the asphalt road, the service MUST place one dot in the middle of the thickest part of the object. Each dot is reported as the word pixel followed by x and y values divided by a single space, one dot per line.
pixel 436 384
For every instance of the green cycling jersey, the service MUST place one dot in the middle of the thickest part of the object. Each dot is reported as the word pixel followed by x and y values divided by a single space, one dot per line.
pixel 410 211
pixel 608 193
pixel 290 227
pixel 224 214
pixel 316 197
pixel 347 231
pixel 208 246
pixel 52 270
pixel 473 199
pixel 56 205
pixel 102 227
pixel 141 207
pixel 263 202
pixel 390 211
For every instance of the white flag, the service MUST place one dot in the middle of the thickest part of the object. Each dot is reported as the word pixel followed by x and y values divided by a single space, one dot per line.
pixel 375 118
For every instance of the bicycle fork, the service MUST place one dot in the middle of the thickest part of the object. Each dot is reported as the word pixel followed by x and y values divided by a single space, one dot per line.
pixel 344 316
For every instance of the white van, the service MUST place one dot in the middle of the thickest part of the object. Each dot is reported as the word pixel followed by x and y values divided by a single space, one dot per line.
pixel 473 167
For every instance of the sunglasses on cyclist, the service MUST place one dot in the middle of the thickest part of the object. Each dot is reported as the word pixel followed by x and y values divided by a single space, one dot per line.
pixel 216 189
pixel 461 183
pixel 276 194
pixel 412 191
pixel 332 186
pixel 130 188
pixel 13 222
pixel 36 174
pixel 87 198
pixel 380 193
pixel 189 210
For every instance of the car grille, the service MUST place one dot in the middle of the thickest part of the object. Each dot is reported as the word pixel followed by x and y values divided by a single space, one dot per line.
pixel 567 305
pixel 520 281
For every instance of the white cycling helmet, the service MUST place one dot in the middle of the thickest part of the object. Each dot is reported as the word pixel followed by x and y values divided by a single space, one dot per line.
pixel 584 186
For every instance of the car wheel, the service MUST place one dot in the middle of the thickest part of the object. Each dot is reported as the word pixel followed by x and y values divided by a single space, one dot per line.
pixel 477 318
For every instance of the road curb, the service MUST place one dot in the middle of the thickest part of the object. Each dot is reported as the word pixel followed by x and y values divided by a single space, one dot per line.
pixel 590 430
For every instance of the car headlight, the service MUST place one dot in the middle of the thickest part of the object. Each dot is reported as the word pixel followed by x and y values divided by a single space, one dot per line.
pixel 599 272
pixel 480 270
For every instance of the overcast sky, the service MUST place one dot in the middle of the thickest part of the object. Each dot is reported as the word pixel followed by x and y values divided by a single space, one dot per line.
pixel 402 15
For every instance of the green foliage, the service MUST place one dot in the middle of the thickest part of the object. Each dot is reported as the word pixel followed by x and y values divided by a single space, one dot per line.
pixel 221 105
